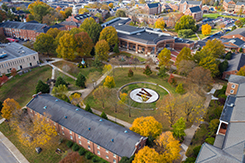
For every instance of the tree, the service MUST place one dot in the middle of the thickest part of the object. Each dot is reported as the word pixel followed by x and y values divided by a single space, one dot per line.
pixel 13 72
pixel 179 128
pixel 60 81
pixel 9 106
pixel 81 80
pixel 66 47
pixel 162 72
pixel 199 76
pixel 116 49
pixel 5 7
pixel 210 63
pixel 110 18
pixel 84 44
pixel 146 155
pixel 110 5
pixel 164 57
pixel 101 50
pixel 142 1
pixel 120 13
pixel 186 66
pixel 2 16
pixel 39 9
pixel 185 33
pixel 179 89
pixel 53 32
pixel 109 34
pixel 214 47
pixel 168 147
pixel 109 82
pixel 93 29
pixel 185 54
pixel 160 24
pixel 42 87
pixel 105 7
pixel 241 72
pixel 83 10
pixel 103 115
pixel 60 92
pixel 186 22
pixel 76 99
pixel 44 43
pixel 75 31
pixel 130 73
pixel 213 125
pixel 68 12
pixel 206 29
pixel 223 66
pixel 107 68
pixel 147 70
pixel 99 15
pixel 88 108
pixel 48 19
pixel 101 94
pixel 1 106
pixel 146 126
pixel 171 79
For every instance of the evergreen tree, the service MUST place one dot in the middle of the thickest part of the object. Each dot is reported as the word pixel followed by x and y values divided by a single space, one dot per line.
pixel 80 80
pixel 60 81
pixel 179 128
pixel 103 115
pixel 147 70
pixel 42 87
pixel 87 108
pixel 116 49
pixel 130 73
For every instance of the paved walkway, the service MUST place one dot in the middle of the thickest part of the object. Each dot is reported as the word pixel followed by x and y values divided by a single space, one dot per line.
pixel 14 151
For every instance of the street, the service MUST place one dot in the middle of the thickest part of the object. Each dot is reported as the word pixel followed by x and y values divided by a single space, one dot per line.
pixel 5 155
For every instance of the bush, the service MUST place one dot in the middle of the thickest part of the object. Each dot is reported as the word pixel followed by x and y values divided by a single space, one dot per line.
pixel 210 140
pixel 185 33
pixel 82 151
pixel 228 55
pixel 95 159
pixel 147 70
pixel 87 108
pixel 171 80
pixel 103 115
pixel 88 155
pixel 75 147
pixel 81 80
pixel 190 160
pixel 69 144
pixel 130 73
pixel 179 89
pixel 162 72
pixel 196 150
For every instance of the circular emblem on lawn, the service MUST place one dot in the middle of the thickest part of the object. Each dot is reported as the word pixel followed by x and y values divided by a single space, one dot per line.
pixel 144 95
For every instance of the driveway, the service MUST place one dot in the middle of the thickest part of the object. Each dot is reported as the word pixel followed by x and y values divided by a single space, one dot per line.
pixel 5 155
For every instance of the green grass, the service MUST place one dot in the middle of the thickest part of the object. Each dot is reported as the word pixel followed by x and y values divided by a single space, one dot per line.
pixel 21 88
pixel 215 15
pixel 129 55
pixel 68 79
pixel 194 37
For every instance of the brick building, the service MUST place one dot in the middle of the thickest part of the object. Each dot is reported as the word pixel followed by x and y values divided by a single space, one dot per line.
pixel 237 33
pixel 97 135
pixel 205 9
pixel 174 6
pixel 195 12
pixel 239 7
pixel 69 25
pixel 81 17
pixel 14 55
pixel 229 5
pixel 153 8
pixel 184 5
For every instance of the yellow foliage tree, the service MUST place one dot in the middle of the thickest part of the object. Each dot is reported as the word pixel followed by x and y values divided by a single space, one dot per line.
pixel 146 155
pixel 206 29
pixel 17 8
pixel 101 50
pixel 53 32
pixel 39 9
pixel 147 126
pixel 9 106
pixel 66 47
pixel 241 72
pixel 123 98
pixel 110 5
pixel 63 13
pixel 107 68
pixel 160 24
pixel 109 82
pixel 164 57
pixel 110 35
pixel 168 147
pixel 83 10
pixel 75 98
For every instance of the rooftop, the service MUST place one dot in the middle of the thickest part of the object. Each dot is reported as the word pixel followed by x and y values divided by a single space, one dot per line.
pixel 191 2
pixel 153 5
pixel 237 61
pixel 195 9
pixel 240 31
pixel 20 25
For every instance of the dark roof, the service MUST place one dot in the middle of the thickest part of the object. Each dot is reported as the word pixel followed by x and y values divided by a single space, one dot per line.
pixel 191 2
pixel 195 9
pixel 20 25
pixel 240 31
pixel 153 5
pixel 87 125
pixel 236 79
pixel 33 21
pixel 184 41
pixel 240 3
pixel 228 109
pixel 82 16
pixel 116 21
pixel 236 41
pixel 237 61
pixel 69 23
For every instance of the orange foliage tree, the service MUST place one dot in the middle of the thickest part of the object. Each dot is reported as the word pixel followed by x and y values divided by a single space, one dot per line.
pixel 84 44
pixel 9 105
pixel 147 155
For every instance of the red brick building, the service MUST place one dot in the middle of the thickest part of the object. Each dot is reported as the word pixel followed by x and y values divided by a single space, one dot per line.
pixel 153 8
pixel 174 6
pixel 195 12
pixel 184 5
pixel 81 17
pixel 97 135
pixel 229 5
pixel 240 7
pixel 237 33
pixel 69 25
pixel 205 9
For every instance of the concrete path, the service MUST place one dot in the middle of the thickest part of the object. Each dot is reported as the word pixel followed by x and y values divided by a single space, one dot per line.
pixel 5 156
pixel 197 36
pixel 56 68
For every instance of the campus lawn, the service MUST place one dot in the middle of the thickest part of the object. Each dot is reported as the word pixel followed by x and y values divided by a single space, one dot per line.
pixel 194 37
pixel 121 78
pixel 67 79
pixel 21 88
pixel 215 15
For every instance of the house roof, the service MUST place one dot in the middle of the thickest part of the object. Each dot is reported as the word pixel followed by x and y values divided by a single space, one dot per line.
pixel 195 9
pixel 240 3
pixel 69 23
pixel 153 5
pixel 236 79
pixel 240 31
pixel 238 42
pixel 237 61
pixel 87 125
pixel 228 109
pixel 191 2
pixel 227 1
pixel 82 16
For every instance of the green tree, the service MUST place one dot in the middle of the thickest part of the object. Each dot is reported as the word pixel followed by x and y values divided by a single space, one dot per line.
pixel 44 44
pixel 147 70
pixel 101 50
pixel 103 115
pixel 93 29
pixel 214 47
pixel 162 72
pixel 186 22
pixel 213 125
pixel 179 128
pixel 223 66
pixel 185 54
pixel 53 32
pixel 60 92
pixel 81 80
pixel 116 49
pixel 84 44
pixel 4 7
pixel 60 81
pixel 39 9
pixel 164 57
pixel 87 108
pixel 241 72
pixel 42 87
pixel 66 47
pixel 185 33
pixel 75 31
pixel 210 63
pixel 179 89
pixel 99 15
pixel 120 13
pixel 109 34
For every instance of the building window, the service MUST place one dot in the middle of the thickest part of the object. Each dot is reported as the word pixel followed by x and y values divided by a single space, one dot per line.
pixel 106 151
pixel 70 132
pixel 233 86
pixel 114 155
pixel 89 147
pixel 79 142
pixel 62 127
pixel 232 91
pixel 71 137
pixel 88 141
pixel 114 161
pixel 107 157
pixel 98 147
pixel 79 137
pixel 98 152
pixel 63 133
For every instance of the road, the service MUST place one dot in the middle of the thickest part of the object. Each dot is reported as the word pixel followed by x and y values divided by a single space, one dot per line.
pixel 5 155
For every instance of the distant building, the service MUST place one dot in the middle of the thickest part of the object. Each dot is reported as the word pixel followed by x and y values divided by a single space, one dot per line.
pixel 195 12
pixel 237 33
pixel 14 55
pixel 103 138
pixel 205 9
pixel 229 5
pixel 174 6
pixel 69 25
pixel 81 17
pixel 153 8
pixel 184 5
pixel 240 7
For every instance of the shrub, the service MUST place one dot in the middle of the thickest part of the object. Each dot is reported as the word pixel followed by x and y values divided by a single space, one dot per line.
pixel 240 50
pixel 82 151
pixel 190 160
pixel 162 72
pixel 185 33
pixel 95 159
pixel 171 80
pixel 69 144
pixel 103 115
pixel 81 80
pixel 116 49
pixel 196 150
pixel 147 70
pixel 88 155
pixel 228 55
pixel 75 147
pixel 130 73
pixel 179 89
pixel 210 140
pixel 60 81
pixel 87 108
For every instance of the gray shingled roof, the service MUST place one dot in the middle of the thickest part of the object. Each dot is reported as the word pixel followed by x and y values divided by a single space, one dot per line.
pixel 191 2
pixel 236 79
pixel 69 23
pixel 237 61
pixel 20 25
pixel 240 3
pixel 195 9
pixel 227 110
pixel 101 132
pixel 238 42
pixel 240 31
pixel 153 5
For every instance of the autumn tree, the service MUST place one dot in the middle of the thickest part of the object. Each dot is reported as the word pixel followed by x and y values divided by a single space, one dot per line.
pixel 146 126
pixel 68 12
pixel 179 128
pixel 44 44
pixel 130 73
pixel 60 91
pixel 107 68
pixel 83 10
pixel 83 43
pixel 164 57
pixel 168 147
pixel 110 5
pixel 206 29
pixel 211 64
pixel 66 47
pixel 109 82
pixel 186 22
pixel 186 66
pixel 9 106
pixel 3 79
pixel 53 32
pixel 101 94
pixel 120 13
pixel 109 34
pixel 93 29
pixel 179 89
pixel 81 80
pixel 99 15
pixel 214 47
pixel 42 87
pixel 39 9
pixel 146 155
pixel 241 72
pixel 101 50
pixel 105 7
pixel 75 31
pixel 142 1
pixel 184 54
pixel 76 99
pixel 160 24
pixel 13 72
